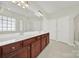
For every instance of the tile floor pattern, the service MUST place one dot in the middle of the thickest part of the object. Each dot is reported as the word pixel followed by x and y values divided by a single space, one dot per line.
pixel 57 49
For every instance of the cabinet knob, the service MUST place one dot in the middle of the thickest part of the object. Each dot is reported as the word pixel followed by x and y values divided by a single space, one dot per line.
pixel 29 47
pixel 32 46
pixel 13 48
pixel 38 37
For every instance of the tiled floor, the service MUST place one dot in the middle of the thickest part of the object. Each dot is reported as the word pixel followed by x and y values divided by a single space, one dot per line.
pixel 57 49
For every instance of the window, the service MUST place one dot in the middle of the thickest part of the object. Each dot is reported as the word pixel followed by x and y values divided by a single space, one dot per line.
pixel 7 24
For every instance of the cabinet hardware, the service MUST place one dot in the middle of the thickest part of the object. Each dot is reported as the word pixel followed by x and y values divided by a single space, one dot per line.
pixel 13 47
pixel 38 37
pixel 32 46
pixel 29 47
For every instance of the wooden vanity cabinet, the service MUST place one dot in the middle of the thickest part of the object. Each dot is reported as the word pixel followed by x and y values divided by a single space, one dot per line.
pixel 27 48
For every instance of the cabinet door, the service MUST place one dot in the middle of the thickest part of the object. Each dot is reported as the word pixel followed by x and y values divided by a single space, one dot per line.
pixel 35 49
pixel 21 53
pixel 44 40
pixel 43 43
pixel 28 41
pixel 11 47
pixel 47 38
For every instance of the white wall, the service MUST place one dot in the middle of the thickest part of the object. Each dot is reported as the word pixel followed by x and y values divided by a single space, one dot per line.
pixel 50 26
pixel 61 29
pixel 52 29
pixel 76 28
pixel 32 24
pixel 65 30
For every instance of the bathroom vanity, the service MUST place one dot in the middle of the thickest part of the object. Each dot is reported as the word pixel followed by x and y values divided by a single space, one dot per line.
pixel 26 46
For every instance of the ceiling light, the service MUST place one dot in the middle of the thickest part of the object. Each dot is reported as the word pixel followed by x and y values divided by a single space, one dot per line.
pixel 22 2
pixel 26 5
pixel 13 1
pixel 40 14
pixel 23 7
pixel 19 4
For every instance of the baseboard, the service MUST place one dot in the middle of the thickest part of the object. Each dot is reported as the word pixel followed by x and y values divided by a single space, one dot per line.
pixel 71 44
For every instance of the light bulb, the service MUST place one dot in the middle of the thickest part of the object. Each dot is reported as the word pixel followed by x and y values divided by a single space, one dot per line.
pixel 23 7
pixel 13 1
pixel 22 1
pixel 26 5
pixel 19 4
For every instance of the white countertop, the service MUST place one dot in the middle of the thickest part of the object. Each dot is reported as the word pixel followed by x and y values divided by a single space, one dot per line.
pixel 11 38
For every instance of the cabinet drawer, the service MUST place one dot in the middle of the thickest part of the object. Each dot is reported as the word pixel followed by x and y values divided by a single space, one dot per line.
pixel 11 47
pixel 28 41
pixel 20 53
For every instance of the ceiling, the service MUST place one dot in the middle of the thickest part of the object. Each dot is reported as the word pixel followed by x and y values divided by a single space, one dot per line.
pixel 55 7
pixel 47 8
